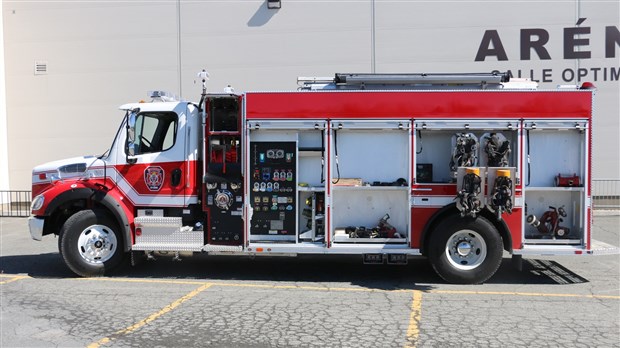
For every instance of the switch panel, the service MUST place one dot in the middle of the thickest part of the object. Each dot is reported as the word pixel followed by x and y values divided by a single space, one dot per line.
pixel 273 190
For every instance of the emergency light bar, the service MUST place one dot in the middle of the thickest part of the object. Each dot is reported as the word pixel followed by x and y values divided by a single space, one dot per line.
pixel 163 96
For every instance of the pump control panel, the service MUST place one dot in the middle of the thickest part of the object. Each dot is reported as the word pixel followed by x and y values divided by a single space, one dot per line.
pixel 273 190
pixel 225 203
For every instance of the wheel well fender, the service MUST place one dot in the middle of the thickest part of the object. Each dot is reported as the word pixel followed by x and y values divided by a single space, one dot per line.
pixel 68 203
pixel 500 226
pixel 451 210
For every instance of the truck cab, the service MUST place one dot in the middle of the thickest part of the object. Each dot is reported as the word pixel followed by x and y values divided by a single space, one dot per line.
pixel 150 169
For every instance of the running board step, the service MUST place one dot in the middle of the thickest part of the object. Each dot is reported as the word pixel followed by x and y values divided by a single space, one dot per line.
pixel 166 234
pixel 210 248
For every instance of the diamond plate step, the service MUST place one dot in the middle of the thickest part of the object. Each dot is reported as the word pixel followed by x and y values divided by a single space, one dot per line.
pixel 166 234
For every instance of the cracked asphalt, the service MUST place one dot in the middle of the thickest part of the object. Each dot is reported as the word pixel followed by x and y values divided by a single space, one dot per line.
pixel 566 301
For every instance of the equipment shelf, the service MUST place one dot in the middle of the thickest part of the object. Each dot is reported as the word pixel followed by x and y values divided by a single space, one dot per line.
pixel 311 188
pixel 339 238
pixel 552 189
pixel 309 153
pixel 370 188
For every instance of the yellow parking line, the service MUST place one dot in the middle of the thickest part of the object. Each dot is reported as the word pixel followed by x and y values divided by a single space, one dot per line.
pixel 320 288
pixel 137 280
pixel 150 318
pixel 12 278
pixel 527 294
pixel 413 331
pixel 301 287
pixel 4 275
pixel 237 285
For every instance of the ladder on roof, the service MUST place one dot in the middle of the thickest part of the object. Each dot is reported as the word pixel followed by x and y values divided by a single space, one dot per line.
pixel 373 81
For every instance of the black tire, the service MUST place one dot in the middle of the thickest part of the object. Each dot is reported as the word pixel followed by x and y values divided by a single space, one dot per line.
pixel 465 250
pixel 91 243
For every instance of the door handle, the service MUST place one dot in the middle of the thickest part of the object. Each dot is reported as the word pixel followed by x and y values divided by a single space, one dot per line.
pixel 175 180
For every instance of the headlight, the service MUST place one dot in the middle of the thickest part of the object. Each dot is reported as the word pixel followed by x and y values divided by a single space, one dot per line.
pixel 37 203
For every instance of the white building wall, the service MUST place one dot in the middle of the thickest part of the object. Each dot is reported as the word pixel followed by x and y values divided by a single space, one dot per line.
pixel 4 151
pixel 99 55
pixel 102 54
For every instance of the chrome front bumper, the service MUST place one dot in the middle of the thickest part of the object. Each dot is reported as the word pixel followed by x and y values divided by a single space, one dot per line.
pixel 35 225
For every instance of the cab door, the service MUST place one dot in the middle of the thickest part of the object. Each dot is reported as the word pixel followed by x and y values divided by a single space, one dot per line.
pixel 154 170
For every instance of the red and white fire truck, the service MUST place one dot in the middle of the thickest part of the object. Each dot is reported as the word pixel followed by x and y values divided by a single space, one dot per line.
pixel 454 167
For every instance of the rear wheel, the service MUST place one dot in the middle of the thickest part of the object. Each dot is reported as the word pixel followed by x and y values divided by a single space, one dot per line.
pixel 465 250
pixel 90 243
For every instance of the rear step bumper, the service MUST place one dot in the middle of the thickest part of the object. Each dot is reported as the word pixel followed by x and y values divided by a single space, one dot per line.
pixel 602 248
pixel 597 248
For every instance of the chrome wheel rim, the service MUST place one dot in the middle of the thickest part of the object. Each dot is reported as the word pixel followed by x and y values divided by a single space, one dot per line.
pixel 97 244
pixel 466 250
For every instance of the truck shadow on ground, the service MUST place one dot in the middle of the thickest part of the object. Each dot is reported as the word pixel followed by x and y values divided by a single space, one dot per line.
pixel 301 269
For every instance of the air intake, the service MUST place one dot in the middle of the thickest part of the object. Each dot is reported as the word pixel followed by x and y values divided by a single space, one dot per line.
pixel 40 68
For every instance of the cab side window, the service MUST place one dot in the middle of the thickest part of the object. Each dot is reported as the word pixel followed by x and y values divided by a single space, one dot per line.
pixel 155 132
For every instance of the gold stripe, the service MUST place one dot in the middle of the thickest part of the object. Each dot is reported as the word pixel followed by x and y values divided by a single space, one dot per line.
pixel 238 285
pixel 317 288
pixel 4 275
pixel 150 318
pixel 293 287
pixel 413 331
pixel 526 294
pixel 13 279
pixel 146 281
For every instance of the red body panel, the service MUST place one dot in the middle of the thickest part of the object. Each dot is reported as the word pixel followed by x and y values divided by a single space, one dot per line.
pixel 514 222
pixel 419 218
pixel 417 104
pixel 434 190
pixel 134 186
pixel 37 189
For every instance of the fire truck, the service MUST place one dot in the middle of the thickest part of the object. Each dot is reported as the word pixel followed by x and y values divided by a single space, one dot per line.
pixel 454 167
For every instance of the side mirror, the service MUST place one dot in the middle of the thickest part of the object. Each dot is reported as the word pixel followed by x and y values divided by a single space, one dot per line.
pixel 130 145
pixel 131 149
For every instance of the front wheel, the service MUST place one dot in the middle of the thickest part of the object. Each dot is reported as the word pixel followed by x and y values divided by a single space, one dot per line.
pixel 465 250
pixel 91 243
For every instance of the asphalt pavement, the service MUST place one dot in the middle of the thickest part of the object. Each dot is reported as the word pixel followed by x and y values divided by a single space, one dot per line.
pixel 207 301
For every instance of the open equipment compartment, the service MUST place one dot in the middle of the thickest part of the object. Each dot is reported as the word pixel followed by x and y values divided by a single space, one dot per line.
pixel 370 176
pixel 445 150
pixel 222 178
pixel 311 184
pixel 286 171
pixel 437 156
pixel 555 197
pixel 311 216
